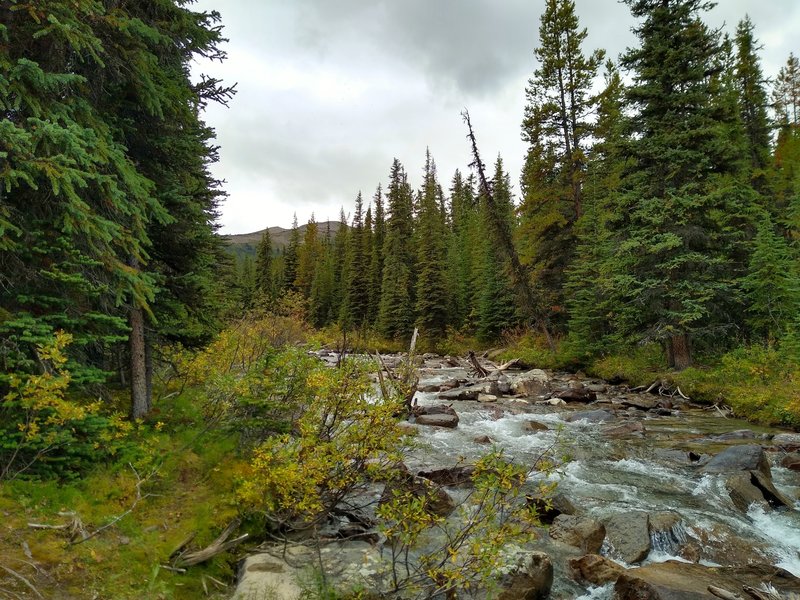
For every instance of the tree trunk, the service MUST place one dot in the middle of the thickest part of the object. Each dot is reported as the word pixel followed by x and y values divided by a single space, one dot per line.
pixel 679 353
pixel 148 368
pixel 140 401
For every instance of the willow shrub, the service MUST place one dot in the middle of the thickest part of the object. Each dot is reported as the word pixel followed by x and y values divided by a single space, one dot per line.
pixel 44 432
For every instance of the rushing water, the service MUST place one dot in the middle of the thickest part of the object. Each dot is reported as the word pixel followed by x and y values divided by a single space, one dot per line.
pixel 606 475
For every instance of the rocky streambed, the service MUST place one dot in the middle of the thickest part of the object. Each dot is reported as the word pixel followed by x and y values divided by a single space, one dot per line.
pixel 656 497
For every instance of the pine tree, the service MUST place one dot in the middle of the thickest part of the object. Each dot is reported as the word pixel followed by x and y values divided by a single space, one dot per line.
pixel 396 309
pixel 463 241
pixel 557 127
pixel 431 289
pixel 323 288
pixel 676 240
pixel 340 245
pixel 786 93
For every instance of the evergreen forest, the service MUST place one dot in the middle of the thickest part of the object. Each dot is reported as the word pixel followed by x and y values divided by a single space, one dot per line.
pixel 161 402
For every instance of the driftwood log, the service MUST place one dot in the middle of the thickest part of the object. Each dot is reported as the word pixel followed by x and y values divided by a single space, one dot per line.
pixel 218 546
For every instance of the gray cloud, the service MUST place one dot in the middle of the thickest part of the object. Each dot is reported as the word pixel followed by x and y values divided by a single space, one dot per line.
pixel 330 92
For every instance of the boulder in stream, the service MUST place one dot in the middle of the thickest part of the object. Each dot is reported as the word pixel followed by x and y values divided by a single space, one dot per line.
pixel 595 569
pixel 750 479
pixel 591 416
pixel 456 475
pixel 530 579
pixel 439 416
pixel 437 501
pixel 673 580
pixel 787 441
pixel 580 532
pixel 626 429
pixel 791 461
pixel 548 508
pixel 629 534
pixel 576 394
pixel 534 426
pixel 531 383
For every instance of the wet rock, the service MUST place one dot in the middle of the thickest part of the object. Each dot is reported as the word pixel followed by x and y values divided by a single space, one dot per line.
pixel 642 402
pixel 431 387
pixel 673 580
pixel 626 429
pixel 437 501
pixel 629 534
pixel 438 416
pixel 667 533
pixel 592 416
pixel 597 388
pixel 787 441
pixel 662 412
pixel 457 475
pixel 531 383
pixel 470 392
pixel 487 398
pixel 595 569
pixel 547 509
pixel 532 579
pixel 580 532
pixel 442 420
pixel 408 428
pixel 749 457
pixel 503 384
pixel 746 488
pixel 791 461
pixel 576 394
pixel 534 426
pixel 681 457
pixel 482 439
pixel 740 434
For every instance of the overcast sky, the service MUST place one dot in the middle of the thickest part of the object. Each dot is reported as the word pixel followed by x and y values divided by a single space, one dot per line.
pixel 330 91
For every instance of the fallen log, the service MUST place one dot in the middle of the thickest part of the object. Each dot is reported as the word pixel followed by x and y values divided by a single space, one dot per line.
pixel 218 546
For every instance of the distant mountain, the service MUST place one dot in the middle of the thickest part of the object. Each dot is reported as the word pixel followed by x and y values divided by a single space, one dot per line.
pixel 245 244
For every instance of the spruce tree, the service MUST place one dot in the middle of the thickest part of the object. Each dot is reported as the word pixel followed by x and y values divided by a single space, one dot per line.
pixel 495 302
pixel 356 281
pixel 291 257
pixel 753 103
pixel 376 256
pixel 557 127
pixel 396 309
pixel 676 244
pixel 464 237
pixel 307 257
pixel 431 288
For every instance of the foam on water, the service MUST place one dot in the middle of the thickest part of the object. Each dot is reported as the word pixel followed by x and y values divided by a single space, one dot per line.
pixel 598 593
pixel 782 529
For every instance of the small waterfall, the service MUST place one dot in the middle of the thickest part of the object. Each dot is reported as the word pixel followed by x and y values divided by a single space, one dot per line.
pixel 669 541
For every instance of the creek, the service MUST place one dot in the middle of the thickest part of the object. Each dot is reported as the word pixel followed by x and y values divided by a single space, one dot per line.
pixel 636 463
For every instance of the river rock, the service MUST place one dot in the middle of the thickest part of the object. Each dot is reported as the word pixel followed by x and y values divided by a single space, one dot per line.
pixel 531 383
pixel 456 475
pixel 439 416
pixel 470 392
pixel 673 580
pixel 749 457
pixel 629 534
pixel 787 441
pixel 576 394
pixel 681 457
pixel 592 416
pixel 263 574
pixel 437 501
pixel 595 569
pixel 487 398
pixel 531 579
pixel 548 508
pixel 640 401
pixel 580 532
pixel 597 388
pixel 791 461
pixel 482 439
pixel 739 434
pixel 534 426
pixel 626 429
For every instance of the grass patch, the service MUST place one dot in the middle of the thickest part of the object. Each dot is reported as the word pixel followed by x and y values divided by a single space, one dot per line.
pixel 192 491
